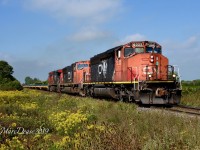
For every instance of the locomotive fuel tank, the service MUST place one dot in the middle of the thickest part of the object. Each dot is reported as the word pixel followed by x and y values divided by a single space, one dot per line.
pixel 104 92
pixel 70 90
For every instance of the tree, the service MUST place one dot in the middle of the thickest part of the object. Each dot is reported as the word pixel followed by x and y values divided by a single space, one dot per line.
pixel 36 80
pixel 7 81
pixel 6 70
pixel 28 80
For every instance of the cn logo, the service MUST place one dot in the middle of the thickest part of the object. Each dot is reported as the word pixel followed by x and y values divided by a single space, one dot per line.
pixel 102 68
pixel 149 70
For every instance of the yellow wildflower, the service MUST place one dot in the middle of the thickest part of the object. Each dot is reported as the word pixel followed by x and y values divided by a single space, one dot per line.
pixel 13 124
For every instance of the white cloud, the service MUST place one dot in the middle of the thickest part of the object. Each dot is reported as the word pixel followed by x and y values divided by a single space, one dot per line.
pixel 189 43
pixel 185 54
pixel 134 37
pixel 94 10
pixel 89 34
pixel 129 38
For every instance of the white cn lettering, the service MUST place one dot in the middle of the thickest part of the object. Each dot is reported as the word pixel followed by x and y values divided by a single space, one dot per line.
pixel 102 68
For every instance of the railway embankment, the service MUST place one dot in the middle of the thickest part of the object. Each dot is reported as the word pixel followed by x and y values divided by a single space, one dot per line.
pixel 35 119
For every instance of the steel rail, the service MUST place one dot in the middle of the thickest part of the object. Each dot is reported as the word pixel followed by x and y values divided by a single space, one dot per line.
pixel 189 107
pixel 185 109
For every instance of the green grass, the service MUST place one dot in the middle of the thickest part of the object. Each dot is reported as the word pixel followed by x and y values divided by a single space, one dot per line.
pixel 191 96
pixel 69 122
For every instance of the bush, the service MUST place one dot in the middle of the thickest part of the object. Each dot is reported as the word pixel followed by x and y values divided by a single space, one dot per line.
pixel 11 85
pixel 7 81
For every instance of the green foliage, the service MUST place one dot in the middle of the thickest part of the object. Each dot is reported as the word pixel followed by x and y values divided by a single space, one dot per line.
pixel 34 81
pixel 28 80
pixel 191 94
pixel 7 81
pixel 5 69
pixel 191 83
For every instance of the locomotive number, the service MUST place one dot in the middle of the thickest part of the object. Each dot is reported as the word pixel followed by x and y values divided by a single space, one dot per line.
pixel 137 44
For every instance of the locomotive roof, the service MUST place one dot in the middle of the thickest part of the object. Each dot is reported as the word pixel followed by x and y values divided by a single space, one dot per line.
pixel 109 52
pixel 106 54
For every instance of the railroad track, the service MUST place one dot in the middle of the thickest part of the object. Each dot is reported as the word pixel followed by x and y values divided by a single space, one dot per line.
pixel 179 108
pixel 186 109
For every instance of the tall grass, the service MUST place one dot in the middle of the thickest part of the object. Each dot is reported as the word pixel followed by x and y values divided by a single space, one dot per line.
pixel 69 122
pixel 191 96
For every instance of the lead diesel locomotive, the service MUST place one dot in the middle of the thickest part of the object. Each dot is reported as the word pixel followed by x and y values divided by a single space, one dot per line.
pixel 136 71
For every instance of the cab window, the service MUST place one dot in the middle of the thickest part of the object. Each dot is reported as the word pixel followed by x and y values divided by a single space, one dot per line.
pixel 155 50
pixel 149 50
pixel 69 75
pixel 139 50
pixel 81 66
pixel 128 51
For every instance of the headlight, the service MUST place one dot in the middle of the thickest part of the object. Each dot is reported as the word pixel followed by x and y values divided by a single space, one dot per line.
pixel 174 76
pixel 151 60
pixel 151 56
pixel 150 75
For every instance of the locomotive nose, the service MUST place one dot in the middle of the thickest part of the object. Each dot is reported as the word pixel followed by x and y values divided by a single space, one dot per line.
pixel 154 59
pixel 151 58
pixel 155 63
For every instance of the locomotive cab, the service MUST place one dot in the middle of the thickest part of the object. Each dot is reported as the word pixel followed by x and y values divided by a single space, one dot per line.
pixel 143 65
pixel 81 72
pixel 74 77
pixel 54 79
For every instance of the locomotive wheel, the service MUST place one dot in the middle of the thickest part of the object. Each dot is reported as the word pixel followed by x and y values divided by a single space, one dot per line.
pixel 121 99
pixel 51 89
pixel 82 93
pixel 58 88
pixel 121 96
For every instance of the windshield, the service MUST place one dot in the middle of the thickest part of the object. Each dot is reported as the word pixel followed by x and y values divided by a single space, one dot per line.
pixel 81 66
pixel 129 51
pixel 139 50
pixel 155 50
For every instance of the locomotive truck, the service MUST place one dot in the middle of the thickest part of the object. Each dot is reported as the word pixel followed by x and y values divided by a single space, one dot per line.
pixel 136 72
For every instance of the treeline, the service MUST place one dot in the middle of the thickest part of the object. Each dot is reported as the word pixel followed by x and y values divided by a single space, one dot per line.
pixel 34 81
pixel 7 81
pixel 191 83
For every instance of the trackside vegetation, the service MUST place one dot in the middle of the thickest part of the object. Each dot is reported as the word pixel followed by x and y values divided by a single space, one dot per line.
pixel 191 93
pixel 40 120
pixel 7 81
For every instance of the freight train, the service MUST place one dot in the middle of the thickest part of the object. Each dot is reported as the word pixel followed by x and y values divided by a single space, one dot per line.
pixel 135 72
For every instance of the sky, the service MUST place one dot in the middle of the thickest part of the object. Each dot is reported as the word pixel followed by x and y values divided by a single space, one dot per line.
pixel 38 36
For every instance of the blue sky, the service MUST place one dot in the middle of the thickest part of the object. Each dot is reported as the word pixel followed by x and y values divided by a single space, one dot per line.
pixel 37 36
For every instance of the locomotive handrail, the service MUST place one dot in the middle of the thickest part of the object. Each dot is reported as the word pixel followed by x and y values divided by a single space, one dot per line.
pixel 137 74
pixel 170 72
pixel 178 77
pixel 174 74
pixel 134 76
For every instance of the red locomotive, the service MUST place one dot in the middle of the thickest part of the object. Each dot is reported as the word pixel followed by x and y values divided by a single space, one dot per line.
pixel 70 79
pixel 136 71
